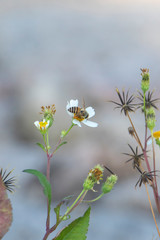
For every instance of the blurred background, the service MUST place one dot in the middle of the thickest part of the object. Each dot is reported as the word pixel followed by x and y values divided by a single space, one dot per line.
pixel 54 51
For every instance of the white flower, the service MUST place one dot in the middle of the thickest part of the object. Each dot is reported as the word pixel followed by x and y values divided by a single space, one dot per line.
pixel 42 126
pixel 80 114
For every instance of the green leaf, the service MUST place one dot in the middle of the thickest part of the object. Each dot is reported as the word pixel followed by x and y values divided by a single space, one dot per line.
pixel 57 211
pixel 44 182
pixel 41 146
pixel 57 208
pixel 76 230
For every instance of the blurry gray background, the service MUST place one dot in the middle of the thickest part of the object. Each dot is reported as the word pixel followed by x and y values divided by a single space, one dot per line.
pixel 54 51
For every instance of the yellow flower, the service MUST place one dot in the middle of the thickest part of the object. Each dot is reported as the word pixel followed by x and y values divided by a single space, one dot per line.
pixel 42 126
pixel 156 134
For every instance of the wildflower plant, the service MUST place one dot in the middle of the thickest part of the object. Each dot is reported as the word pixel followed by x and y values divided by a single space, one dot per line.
pixel 140 161
pixel 95 176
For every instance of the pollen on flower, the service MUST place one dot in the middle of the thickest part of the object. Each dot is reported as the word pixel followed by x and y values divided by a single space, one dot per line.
pixel 156 134
pixel 96 173
pixel 80 119
pixel 43 125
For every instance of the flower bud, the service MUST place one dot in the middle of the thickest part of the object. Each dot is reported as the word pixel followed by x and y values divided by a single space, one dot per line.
pixel 94 176
pixel 145 79
pixel 151 118
pixel 63 133
pixel 109 184
pixel 48 113
pixel 157 141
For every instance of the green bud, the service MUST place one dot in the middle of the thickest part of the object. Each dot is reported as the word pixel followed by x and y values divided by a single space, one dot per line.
pixel 109 184
pixel 64 218
pixel 157 141
pixel 151 118
pixel 50 118
pixel 63 133
pixel 145 80
pixel 88 184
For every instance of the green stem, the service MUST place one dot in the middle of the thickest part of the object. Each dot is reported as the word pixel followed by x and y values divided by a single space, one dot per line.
pixel 83 191
pixel 68 130
pixel 48 146
pixel 44 139
pixel 95 199
pixel 144 104
pixel 60 140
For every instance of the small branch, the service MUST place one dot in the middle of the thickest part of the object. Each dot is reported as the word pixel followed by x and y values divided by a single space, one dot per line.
pixel 139 142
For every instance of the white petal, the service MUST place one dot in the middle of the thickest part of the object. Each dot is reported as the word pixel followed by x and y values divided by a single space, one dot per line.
pixel 73 103
pixel 36 123
pixel 90 111
pixel 68 106
pixel 75 121
pixel 71 114
pixel 48 122
pixel 90 123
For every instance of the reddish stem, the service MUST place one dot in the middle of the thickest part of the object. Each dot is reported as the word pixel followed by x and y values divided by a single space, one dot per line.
pixel 48 177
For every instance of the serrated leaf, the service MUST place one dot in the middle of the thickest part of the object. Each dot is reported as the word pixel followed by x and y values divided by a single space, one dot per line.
pixel 76 230
pixel 44 182
pixel 41 146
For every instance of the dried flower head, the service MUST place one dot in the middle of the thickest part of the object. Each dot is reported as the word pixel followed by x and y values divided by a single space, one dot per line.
pixel 125 104
pixel 135 157
pixel 48 110
pixel 94 176
pixel 131 131
pixel 48 113
pixel 9 183
pixel 146 177
pixel 149 101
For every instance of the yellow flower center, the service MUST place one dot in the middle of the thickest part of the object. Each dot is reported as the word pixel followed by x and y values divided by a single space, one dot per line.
pixel 79 118
pixel 42 125
pixel 156 134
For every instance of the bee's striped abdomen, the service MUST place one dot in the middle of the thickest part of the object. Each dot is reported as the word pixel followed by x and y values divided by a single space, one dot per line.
pixel 74 110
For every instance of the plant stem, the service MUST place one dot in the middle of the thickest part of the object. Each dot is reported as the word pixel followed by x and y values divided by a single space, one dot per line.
pixel 152 210
pixel 68 130
pixel 48 178
pixel 61 138
pixel 49 156
pixel 69 209
pixel 95 199
pixel 78 200
pixel 139 142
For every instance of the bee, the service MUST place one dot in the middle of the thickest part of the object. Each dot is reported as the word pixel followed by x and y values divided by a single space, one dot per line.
pixel 79 113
